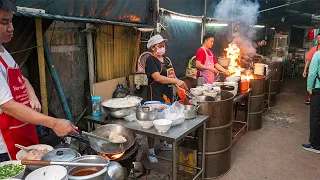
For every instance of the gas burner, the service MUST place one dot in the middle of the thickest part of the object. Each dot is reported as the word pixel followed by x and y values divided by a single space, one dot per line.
pixel 126 158
pixel 112 157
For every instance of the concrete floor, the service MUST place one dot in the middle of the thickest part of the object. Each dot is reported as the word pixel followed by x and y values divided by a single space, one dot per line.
pixel 274 152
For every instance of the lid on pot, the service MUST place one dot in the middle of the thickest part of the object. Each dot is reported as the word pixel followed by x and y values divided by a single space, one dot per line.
pixel 61 155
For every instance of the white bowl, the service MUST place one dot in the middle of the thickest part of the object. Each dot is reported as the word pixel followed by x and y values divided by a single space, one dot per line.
pixel 18 176
pixel 21 153
pixel 232 79
pixel 145 124
pixel 196 91
pixel 217 89
pixel 234 84
pixel 207 87
pixel 52 172
pixel 162 125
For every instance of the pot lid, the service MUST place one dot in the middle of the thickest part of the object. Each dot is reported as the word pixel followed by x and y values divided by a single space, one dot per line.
pixel 61 155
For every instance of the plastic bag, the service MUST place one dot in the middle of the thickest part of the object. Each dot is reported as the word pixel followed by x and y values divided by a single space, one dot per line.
pixel 131 117
pixel 120 92
pixel 174 113
pixel 191 70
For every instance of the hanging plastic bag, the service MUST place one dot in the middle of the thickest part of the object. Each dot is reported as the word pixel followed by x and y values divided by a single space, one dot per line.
pixel 174 113
pixel 191 70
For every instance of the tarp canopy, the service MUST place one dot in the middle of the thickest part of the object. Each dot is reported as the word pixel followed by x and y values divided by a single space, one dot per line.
pixel 183 42
pixel 131 11
pixel 302 16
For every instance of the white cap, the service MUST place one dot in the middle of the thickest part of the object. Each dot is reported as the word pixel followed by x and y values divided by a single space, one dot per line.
pixel 156 39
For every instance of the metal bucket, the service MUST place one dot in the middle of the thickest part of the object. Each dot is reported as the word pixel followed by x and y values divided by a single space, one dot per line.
pixel 256 102
pixel 219 135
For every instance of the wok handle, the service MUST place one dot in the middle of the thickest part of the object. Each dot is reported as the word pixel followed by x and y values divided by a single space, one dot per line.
pixel 94 136
pixel 35 162
pixel 79 137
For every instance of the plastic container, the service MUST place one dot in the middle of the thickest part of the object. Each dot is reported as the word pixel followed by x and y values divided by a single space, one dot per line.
pixel 259 68
pixel 96 106
pixel 244 86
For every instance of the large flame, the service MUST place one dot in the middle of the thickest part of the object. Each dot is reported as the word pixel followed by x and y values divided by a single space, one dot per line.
pixel 233 54
pixel 247 76
pixel 112 156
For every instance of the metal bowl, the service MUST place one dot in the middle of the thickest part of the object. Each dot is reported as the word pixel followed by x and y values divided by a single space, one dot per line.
pixel 119 112
pixel 145 113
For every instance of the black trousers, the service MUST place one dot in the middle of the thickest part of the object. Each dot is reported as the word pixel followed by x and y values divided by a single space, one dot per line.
pixel 314 138
pixel 4 157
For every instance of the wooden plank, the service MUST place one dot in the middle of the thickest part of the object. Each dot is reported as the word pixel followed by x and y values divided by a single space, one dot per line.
pixel 105 89
pixel 42 67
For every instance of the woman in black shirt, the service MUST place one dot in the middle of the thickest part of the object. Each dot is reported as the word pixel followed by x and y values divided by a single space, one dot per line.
pixel 161 78
pixel 161 75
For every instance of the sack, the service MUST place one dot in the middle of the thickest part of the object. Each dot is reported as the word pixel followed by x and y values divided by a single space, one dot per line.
pixel 191 70
pixel 120 92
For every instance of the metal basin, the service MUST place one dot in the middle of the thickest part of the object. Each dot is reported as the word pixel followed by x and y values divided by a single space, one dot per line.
pixel 119 112
pixel 145 113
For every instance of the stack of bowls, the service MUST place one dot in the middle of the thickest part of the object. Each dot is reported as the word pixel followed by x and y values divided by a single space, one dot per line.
pixel 145 116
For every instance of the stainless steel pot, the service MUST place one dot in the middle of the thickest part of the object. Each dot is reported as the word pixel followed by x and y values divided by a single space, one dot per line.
pixel 190 111
pixel 144 113
pixel 113 171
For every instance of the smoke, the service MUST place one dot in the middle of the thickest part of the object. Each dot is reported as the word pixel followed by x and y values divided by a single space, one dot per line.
pixel 244 14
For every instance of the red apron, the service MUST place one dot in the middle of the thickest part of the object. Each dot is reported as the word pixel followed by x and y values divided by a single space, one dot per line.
pixel 13 130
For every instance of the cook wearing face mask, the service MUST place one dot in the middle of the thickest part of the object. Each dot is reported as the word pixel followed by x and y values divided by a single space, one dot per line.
pixel 161 78
pixel 160 72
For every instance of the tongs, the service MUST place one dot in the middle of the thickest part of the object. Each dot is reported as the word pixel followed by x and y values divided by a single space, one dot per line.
pixel 184 95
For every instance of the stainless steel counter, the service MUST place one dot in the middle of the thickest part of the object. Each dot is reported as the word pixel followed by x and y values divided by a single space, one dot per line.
pixel 174 135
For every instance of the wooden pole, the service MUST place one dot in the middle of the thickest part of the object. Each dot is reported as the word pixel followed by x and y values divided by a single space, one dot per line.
pixel 42 67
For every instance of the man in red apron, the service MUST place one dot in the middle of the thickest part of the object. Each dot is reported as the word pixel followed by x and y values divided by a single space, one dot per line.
pixel 17 119
pixel 206 61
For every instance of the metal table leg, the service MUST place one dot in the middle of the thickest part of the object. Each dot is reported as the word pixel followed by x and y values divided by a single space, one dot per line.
pixel 89 126
pixel 174 161
pixel 204 137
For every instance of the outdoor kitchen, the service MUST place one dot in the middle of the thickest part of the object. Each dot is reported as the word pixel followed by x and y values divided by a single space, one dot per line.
pixel 158 89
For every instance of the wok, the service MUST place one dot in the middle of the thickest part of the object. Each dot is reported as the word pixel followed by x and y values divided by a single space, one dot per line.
pixel 108 147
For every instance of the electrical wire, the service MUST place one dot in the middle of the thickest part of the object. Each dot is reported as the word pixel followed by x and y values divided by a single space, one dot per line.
pixel 42 44
pixel 265 10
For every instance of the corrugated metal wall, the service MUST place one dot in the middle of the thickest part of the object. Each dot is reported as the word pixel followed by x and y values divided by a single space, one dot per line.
pixel 115 48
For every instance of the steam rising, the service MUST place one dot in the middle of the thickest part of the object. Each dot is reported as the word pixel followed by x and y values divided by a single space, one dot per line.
pixel 243 14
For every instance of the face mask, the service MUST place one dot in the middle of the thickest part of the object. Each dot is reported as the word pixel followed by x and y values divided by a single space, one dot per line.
pixel 161 51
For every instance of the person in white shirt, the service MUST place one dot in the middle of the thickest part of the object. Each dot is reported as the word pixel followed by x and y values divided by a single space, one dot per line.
pixel 19 106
